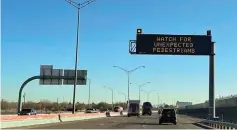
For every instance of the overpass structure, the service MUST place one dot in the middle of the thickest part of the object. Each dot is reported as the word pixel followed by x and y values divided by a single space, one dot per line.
pixel 226 109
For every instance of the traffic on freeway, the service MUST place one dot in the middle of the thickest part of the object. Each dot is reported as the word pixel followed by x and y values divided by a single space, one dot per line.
pixel 121 122
pixel 80 64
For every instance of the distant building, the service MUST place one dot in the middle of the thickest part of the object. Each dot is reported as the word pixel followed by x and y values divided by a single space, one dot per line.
pixel 183 104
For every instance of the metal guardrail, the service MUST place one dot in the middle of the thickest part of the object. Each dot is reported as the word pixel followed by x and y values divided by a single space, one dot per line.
pixel 219 124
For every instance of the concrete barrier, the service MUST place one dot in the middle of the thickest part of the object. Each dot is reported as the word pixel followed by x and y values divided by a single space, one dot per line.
pixel 17 115
pixel 52 119
pixel 13 115
pixel 39 116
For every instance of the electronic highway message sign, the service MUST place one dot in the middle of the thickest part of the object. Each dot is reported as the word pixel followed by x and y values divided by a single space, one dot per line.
pixel 173 44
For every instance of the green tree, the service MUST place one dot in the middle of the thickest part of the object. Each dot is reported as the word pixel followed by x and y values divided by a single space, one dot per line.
pixel 166 106
pixel 80 106
pixel 12 105
pixel 93 105
pixel 38 106
pixel 29 104
pixel 55 106
pixel 4 104
pixel 102 105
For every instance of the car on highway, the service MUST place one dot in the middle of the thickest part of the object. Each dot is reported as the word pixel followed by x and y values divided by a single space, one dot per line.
pixel 168 115
pixel 90 110
pixel 28 111
pixel 104 110
pixel 118 109
pixel 146 108
pixel 70 109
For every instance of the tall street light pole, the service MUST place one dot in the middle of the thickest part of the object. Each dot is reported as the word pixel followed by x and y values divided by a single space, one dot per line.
pixel 158 100
pixel 112 90
pixel 148 94
pixel 140 88
pixel 124 96
pixel 128 74
pixel 78 6
pixel 89 98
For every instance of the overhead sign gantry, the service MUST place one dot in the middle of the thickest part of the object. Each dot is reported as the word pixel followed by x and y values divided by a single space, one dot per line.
pixel 169 44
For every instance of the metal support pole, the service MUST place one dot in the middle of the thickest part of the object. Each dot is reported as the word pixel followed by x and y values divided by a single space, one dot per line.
pixel 140 93
pixel 158 100
pixel 128 73
pixel 78 6
pixel 128 85
pixel 21 89
pixel 112 99
pixel 211 81
pixel 76 60
pixel 24 97
pixel 57 106
pixel 125 99
pixel 89 93
pixel 39 77
pixel 112 95
pixel 140 89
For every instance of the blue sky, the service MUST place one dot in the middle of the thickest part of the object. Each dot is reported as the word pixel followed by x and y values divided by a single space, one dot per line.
pixel 44 32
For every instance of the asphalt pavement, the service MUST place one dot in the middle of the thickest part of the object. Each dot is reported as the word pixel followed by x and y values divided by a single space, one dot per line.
pixel 120 122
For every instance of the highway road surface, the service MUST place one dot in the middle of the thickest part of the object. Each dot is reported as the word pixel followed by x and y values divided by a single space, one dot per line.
pixel 143 122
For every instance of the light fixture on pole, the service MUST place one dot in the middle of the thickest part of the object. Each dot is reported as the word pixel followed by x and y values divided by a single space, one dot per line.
pixel 128 72
pixel 78 6
pixel 112 90
pixel 124 96
pixel 139 86
pixel 148 93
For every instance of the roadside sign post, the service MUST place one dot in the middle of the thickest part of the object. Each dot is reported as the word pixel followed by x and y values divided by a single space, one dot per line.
pixel 167 44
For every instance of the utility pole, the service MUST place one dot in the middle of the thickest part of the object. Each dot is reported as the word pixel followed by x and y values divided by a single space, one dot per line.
pixel 78 6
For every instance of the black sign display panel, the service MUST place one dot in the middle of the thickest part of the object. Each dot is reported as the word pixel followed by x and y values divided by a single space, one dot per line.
pixel 173 44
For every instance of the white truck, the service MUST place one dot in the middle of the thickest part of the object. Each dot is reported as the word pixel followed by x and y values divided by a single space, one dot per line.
pixel 134 108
